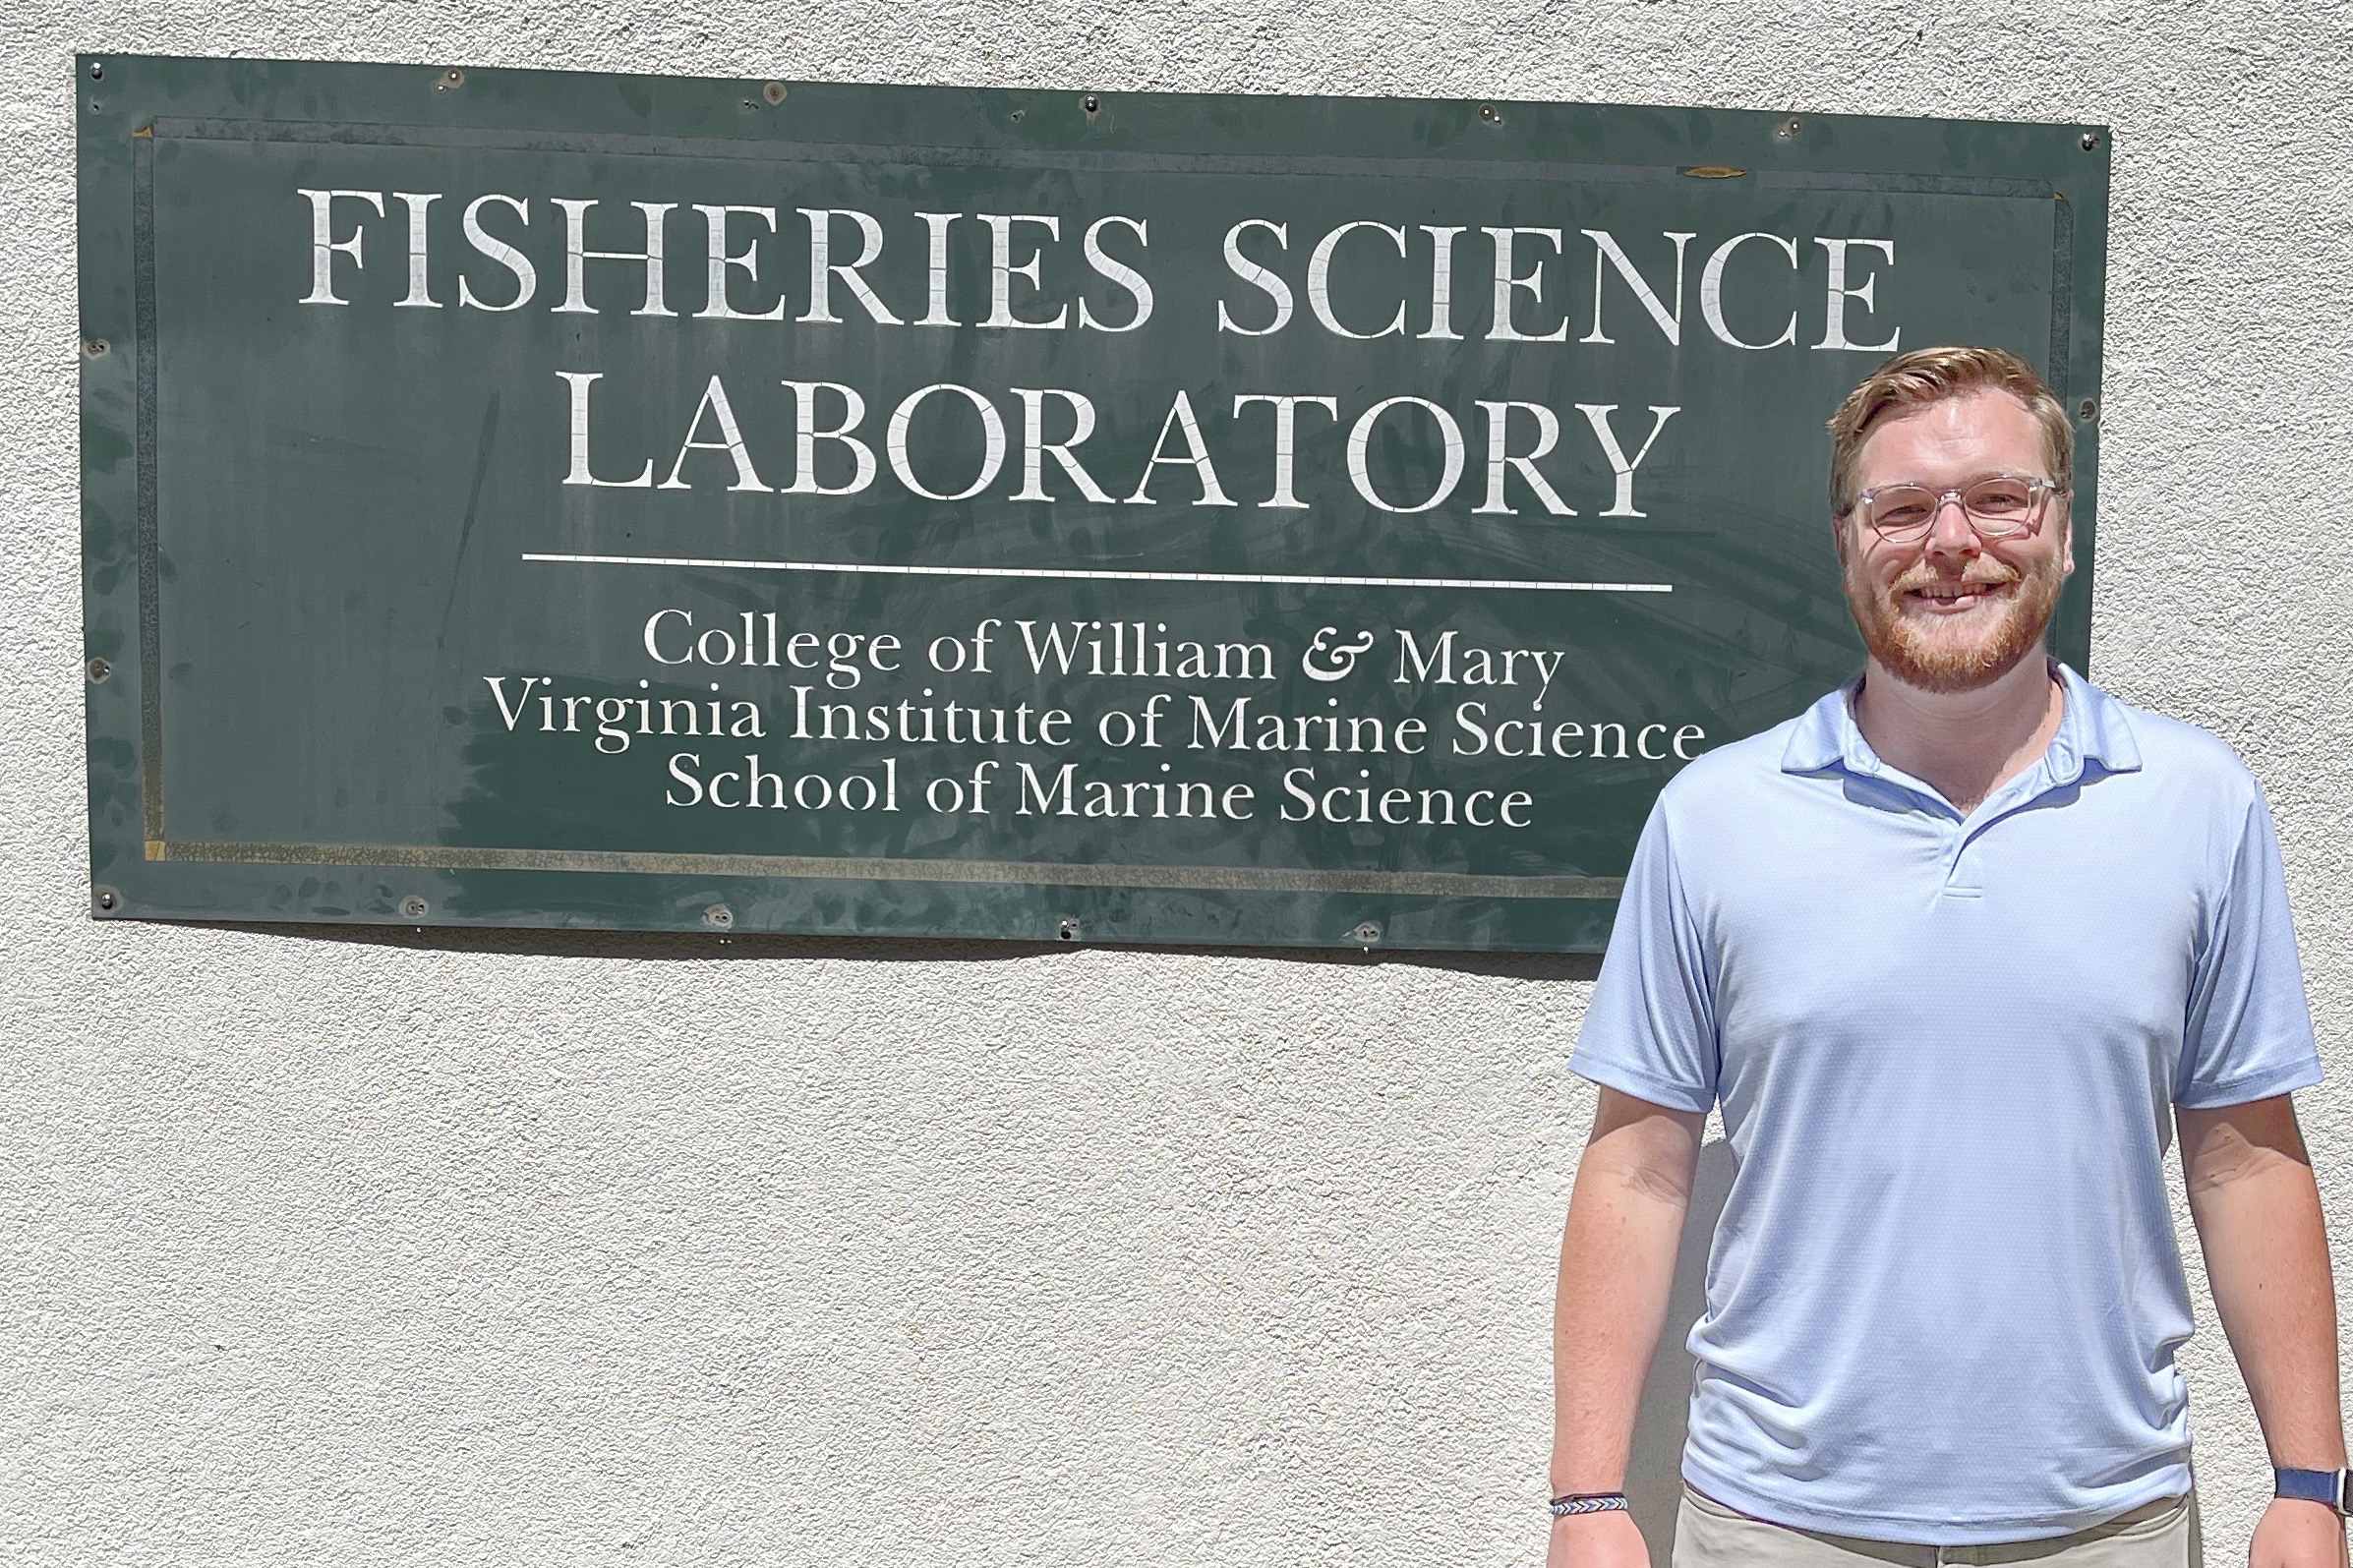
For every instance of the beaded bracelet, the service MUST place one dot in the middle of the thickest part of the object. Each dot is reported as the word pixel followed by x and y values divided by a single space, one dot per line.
pixel 1587 1502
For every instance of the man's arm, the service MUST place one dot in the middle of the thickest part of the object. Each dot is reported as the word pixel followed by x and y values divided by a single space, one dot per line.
pixel 1625 1217
pixel 2258 1212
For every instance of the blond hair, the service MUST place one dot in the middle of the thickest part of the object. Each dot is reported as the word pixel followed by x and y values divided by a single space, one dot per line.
pixel 1925 376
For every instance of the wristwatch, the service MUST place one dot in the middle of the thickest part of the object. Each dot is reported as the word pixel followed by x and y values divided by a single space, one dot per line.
pixel 2328 1486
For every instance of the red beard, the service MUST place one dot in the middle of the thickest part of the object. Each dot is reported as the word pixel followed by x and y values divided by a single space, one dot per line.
pixel 1959 653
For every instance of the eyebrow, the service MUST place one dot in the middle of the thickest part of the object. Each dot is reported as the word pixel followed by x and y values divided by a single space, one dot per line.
pixel 1988 473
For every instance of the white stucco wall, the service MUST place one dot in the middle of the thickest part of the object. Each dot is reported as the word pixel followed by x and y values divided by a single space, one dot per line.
pixel 319 1249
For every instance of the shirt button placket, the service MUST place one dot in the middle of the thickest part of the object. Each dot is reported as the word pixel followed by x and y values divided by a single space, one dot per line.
pixel 1957 839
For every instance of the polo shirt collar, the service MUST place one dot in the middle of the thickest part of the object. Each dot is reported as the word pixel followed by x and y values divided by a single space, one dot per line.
pixel 2093 730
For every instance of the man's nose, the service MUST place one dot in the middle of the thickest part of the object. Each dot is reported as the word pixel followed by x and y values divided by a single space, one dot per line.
pixel 1950 530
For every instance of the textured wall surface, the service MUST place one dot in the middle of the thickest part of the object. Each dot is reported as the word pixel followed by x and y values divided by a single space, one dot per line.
pixel 534 1251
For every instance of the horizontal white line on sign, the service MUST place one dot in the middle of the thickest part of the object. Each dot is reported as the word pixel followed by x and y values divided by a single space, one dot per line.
pixel 882 569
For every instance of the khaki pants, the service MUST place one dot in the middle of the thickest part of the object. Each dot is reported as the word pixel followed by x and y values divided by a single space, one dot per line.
pixel 2159 1535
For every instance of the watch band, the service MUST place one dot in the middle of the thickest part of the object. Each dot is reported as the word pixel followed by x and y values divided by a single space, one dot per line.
pixel 2312 1486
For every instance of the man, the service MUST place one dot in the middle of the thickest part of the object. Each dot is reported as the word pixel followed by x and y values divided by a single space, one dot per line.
pixel 1956 952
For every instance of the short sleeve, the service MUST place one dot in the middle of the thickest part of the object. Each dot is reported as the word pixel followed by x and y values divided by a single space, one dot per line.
pixel 1650 1030
pixel 2248 1033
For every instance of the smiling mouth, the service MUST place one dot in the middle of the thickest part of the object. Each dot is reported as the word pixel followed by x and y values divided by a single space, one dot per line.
pixel 1956 596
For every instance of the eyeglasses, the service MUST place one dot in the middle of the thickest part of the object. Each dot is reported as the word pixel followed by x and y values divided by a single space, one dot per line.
pixel 2001 507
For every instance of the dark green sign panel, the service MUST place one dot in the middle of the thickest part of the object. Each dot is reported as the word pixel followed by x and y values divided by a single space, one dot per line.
pixel 519 499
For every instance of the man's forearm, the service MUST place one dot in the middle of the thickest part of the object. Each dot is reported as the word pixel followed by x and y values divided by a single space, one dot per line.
pixel 2258 1211
pixel 1625 1217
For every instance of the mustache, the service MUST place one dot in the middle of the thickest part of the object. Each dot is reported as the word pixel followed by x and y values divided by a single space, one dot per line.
pixel 1990 575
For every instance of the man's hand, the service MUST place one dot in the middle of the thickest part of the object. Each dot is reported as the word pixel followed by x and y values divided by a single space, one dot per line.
pixel 1611 1540
pixel 2292 1534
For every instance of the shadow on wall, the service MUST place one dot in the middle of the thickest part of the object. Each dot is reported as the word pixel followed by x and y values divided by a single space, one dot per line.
pixel 1654 1477
pixel 591 943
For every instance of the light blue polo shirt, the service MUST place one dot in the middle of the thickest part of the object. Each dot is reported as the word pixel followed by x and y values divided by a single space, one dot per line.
pixel 1943 1298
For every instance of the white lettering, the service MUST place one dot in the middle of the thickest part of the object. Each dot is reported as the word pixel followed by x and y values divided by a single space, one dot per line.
pixel 823 269
pixel 1597 415
pixel 1834 326
pixel 1259 277
pixel 721 261
pixel 1119 272
pixel 1034 446
pixel 1319 282
pixel 579 381
pixel 992 429
pixel 526 276
pixel 577 255
pixel 1286 442
pixel 806 435
pixel 1509 282
pixel 1360 437
pixel 1606 248
pixel 420 294
pixel 325 248
pixel 1500 457
pixel 935 270
pixel 731 442
pixel 1180 417
pixel 1002 271
pixel 1711 291
pixel 1441 282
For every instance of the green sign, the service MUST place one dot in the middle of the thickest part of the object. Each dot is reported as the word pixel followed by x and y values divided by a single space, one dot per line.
pixel 522 499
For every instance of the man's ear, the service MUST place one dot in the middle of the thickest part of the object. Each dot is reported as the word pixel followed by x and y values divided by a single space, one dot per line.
pixel 1838 537
pixel 2067 536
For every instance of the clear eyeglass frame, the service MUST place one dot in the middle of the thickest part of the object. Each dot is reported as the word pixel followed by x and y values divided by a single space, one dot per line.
pixel 1982 501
